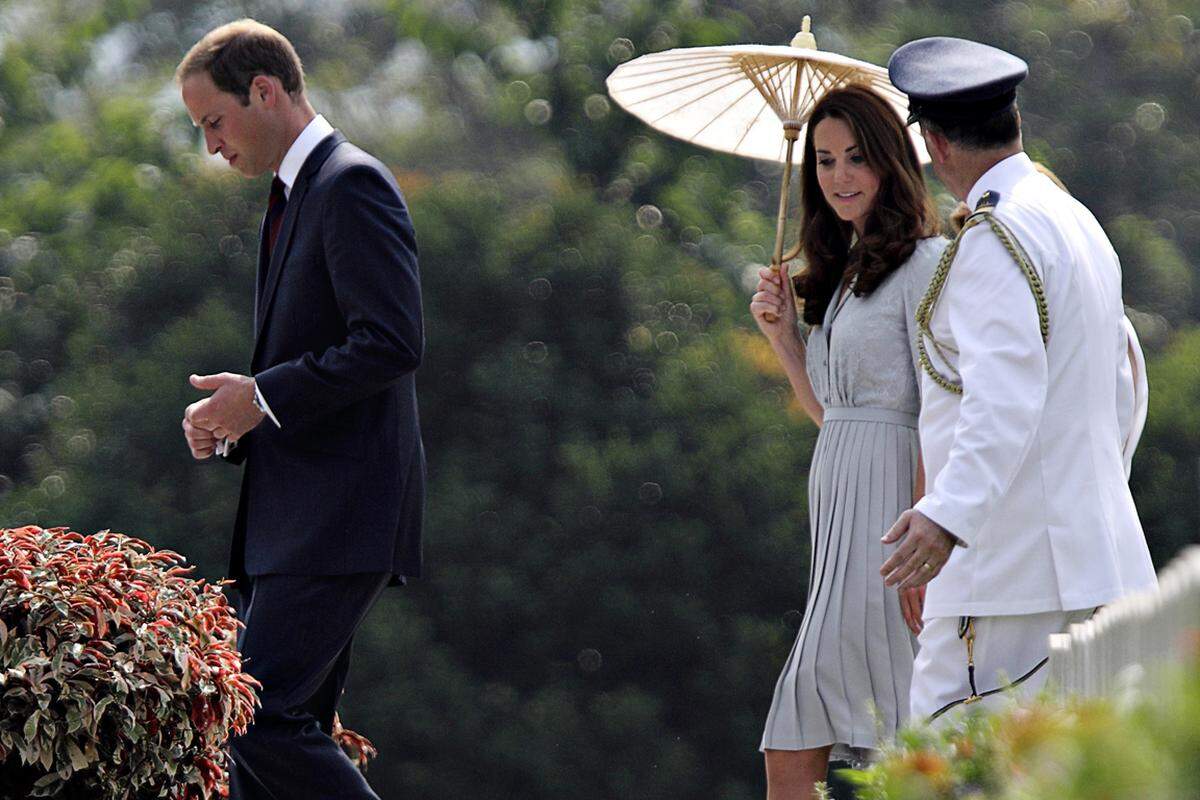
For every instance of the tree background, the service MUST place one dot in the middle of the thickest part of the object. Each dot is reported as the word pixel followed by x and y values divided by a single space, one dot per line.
pixel 617 532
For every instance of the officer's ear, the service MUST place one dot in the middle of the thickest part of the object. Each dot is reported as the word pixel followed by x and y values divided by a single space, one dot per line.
pixel 937 144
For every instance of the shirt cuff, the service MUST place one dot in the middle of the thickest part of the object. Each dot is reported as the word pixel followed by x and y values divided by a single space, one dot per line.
pixel 261 402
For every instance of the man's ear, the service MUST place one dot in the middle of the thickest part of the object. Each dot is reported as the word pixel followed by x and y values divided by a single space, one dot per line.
pixel 264 90
pixel 937 145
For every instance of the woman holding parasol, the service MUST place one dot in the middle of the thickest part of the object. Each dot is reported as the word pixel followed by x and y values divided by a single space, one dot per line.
pixel 869 244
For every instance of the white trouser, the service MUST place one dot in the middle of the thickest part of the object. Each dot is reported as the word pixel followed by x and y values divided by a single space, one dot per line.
pixel 1005 649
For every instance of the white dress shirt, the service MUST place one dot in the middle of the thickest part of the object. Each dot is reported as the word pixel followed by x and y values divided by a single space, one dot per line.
pixel 289 169
pixel 1025 467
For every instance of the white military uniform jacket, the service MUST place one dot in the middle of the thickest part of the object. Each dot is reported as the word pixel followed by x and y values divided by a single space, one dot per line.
pixel 1025 466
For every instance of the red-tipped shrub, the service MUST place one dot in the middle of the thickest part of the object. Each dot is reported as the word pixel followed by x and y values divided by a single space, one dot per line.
pixel 119 673
pixel 357 747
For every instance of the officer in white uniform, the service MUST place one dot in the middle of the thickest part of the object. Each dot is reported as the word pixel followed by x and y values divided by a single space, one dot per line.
pixel 1028 524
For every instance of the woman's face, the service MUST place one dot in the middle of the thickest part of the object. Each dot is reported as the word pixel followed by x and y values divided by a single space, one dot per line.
pixel 849 185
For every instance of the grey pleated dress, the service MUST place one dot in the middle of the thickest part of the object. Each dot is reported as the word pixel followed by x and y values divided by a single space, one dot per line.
pixel 846 681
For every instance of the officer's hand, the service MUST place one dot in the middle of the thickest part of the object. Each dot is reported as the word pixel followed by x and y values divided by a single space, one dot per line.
pixel 924 549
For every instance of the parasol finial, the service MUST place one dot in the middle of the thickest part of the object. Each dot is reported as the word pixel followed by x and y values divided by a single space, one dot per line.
pixel 804 38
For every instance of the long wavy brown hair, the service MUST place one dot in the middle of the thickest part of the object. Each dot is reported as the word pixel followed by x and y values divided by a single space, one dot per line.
pixel 903 212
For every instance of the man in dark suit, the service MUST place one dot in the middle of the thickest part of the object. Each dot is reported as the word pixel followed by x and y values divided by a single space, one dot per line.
pixel 326 423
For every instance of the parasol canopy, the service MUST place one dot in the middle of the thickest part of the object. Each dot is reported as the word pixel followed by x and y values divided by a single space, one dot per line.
pixel 751 100
pixel 739 98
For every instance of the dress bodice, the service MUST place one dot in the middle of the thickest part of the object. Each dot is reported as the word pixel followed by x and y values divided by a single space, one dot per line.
pixel 864 352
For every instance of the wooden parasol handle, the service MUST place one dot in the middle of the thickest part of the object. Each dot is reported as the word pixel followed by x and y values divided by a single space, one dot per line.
pixel 791 132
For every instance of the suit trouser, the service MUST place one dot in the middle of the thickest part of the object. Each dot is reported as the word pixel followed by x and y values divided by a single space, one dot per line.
pixel 297 639
pixel 1005 649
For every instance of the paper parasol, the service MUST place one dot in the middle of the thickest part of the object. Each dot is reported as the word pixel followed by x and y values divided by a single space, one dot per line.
pixel 749 100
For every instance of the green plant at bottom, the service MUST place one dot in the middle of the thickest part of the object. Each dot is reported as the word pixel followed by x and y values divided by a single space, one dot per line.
pixel 1140 747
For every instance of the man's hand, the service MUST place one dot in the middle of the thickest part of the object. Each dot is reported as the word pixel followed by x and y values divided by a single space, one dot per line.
pixel 925 550
pixel 202 443
pixel 229 413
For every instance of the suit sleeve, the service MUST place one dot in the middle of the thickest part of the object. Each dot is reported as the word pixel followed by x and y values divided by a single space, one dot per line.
pixel 371 254
pixel 1002 360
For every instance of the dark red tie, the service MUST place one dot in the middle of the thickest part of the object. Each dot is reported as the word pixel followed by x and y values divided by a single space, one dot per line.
pixel 276 204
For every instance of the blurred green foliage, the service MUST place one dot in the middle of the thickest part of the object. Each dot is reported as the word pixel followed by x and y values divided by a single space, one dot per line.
pixel 617 533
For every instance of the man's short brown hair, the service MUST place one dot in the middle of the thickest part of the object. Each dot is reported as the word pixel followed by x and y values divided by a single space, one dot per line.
pixel 997 130
pixel 233 54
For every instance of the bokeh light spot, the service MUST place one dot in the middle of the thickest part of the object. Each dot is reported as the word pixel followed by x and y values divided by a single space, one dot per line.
pixel 590 659
pixel 538 112
pixel 650 493
pixel 649 216
pixel 620 50
pixel 1150 116
pixel 596 107
pixel 536 352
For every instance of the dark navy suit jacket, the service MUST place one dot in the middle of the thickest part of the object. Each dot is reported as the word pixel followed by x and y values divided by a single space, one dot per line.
pixel 339 487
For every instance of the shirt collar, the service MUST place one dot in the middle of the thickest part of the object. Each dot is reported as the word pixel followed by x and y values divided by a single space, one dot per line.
pixel 1003 175
pixel 289 169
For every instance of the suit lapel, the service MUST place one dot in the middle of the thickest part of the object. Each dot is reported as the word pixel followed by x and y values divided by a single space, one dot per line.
pixel 287 228
pixel 260 273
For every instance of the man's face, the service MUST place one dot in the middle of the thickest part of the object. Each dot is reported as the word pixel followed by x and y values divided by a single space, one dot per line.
pixel 237 132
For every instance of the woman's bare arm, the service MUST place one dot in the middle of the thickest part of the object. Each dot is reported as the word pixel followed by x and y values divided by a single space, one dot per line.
pixel 790 351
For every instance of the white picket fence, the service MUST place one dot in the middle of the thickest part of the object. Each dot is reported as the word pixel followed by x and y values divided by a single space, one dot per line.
pixel 1125 643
